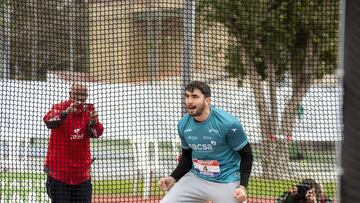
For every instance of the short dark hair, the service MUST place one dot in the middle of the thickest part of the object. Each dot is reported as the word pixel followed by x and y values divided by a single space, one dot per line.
pixel 313 184
pixel 297 197
pixel 202 86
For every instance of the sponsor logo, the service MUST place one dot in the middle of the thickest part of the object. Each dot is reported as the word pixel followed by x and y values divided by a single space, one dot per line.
pixel 192 137
pixel 234 129
pixel 208 138
pixel 187 130
pixel 212 130
pixel 201 147
pixel 76 137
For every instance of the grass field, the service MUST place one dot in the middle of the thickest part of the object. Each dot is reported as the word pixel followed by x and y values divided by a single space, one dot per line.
pixel 257 187
pixel 30 187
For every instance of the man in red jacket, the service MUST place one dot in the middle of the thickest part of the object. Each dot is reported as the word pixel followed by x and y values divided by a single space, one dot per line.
pixel 68 160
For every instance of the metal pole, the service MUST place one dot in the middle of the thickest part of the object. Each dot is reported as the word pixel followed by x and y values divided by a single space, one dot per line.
pixel 189 34
pixel 34 42
pixel 145 144
pixel 340 74
pixel 158 35
pixel 6 40
pixel 149 41
pixel 350 179
pixel 71 34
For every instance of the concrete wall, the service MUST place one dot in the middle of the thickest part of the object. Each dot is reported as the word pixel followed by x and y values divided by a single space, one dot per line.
pixel 122 43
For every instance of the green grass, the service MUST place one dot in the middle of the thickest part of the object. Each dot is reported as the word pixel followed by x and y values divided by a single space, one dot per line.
pixel 268 188
pixel 257 187
pixel 123 187
pixel 24 183
pixel 109 187
pixel 274 188
pixel 24 187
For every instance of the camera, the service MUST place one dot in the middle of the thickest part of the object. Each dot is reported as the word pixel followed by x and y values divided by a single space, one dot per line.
pixel 88 107
pixel 299 196
pixel 302 190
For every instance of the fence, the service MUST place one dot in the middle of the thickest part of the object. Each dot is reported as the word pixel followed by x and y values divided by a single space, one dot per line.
pixel 275 73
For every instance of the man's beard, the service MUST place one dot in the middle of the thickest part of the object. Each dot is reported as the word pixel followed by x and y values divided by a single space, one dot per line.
pixel 198 112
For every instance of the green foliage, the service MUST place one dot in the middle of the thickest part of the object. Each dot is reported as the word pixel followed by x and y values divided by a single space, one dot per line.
pixel 2 6
pixel 236 69
pixel 281 27
pixel 233 66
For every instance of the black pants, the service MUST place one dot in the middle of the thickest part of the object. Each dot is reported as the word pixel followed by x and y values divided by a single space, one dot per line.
pixel 63 193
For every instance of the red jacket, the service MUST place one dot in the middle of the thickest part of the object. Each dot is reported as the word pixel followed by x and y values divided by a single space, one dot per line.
pixel 68 157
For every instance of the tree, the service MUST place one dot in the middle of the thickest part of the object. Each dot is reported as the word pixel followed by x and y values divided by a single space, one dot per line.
pixel 272 38
pixel 31 38
pixel 48 35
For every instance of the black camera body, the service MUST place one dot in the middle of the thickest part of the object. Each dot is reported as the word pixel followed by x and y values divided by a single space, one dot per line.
pixel 299 196
pixel 302 189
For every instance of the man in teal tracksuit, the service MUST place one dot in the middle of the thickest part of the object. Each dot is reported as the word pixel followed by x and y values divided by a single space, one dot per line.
pixel 216 158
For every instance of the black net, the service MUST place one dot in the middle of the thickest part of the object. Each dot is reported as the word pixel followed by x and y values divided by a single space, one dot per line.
pixel 272 64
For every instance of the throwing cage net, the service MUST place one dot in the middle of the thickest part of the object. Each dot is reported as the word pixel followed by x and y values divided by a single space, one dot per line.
pixel 272 64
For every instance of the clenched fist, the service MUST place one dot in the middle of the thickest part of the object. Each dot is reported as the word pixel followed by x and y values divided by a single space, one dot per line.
pixel 167 183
